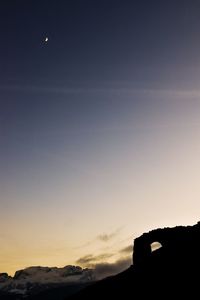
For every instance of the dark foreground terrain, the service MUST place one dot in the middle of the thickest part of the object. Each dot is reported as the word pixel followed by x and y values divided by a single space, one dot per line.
pixel 172 270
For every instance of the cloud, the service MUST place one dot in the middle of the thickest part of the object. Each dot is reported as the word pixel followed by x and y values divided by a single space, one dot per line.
pixel 102 270
pixel 99 263
pixel 71 89
pixel 126 250
pixel 107 237
pixel 104 237
pixel 91 260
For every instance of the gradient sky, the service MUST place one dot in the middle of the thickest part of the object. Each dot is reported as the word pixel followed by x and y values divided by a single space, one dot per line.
pixel 99 127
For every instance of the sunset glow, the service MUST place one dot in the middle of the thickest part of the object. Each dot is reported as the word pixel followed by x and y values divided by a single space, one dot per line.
pixel 99 131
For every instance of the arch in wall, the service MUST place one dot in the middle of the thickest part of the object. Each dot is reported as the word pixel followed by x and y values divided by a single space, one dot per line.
pixel 155 246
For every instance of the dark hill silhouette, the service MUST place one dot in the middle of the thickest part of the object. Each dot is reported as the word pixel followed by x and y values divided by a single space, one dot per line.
pixel 172 270
pixel 5 296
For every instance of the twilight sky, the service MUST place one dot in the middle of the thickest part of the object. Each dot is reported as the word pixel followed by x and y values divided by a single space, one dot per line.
pixel 99 127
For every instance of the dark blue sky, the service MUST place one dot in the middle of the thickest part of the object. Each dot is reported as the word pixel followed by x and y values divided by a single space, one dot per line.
pixel 96 43
pixel 99 123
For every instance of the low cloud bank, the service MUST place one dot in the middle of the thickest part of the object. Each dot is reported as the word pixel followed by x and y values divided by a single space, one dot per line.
pixel 103 270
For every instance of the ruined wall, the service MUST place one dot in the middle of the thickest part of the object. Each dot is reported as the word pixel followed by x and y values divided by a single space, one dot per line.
pixel 172 239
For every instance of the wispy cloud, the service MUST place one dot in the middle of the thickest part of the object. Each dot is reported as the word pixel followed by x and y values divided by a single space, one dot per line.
pixel 90 260
pixel 126 250
pixel 73 88
pixel 45 89
pixel 102 268
pixel 66 90
pixel 106 237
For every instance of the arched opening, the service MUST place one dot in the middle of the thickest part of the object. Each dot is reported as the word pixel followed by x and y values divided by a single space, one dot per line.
pixel 155 246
